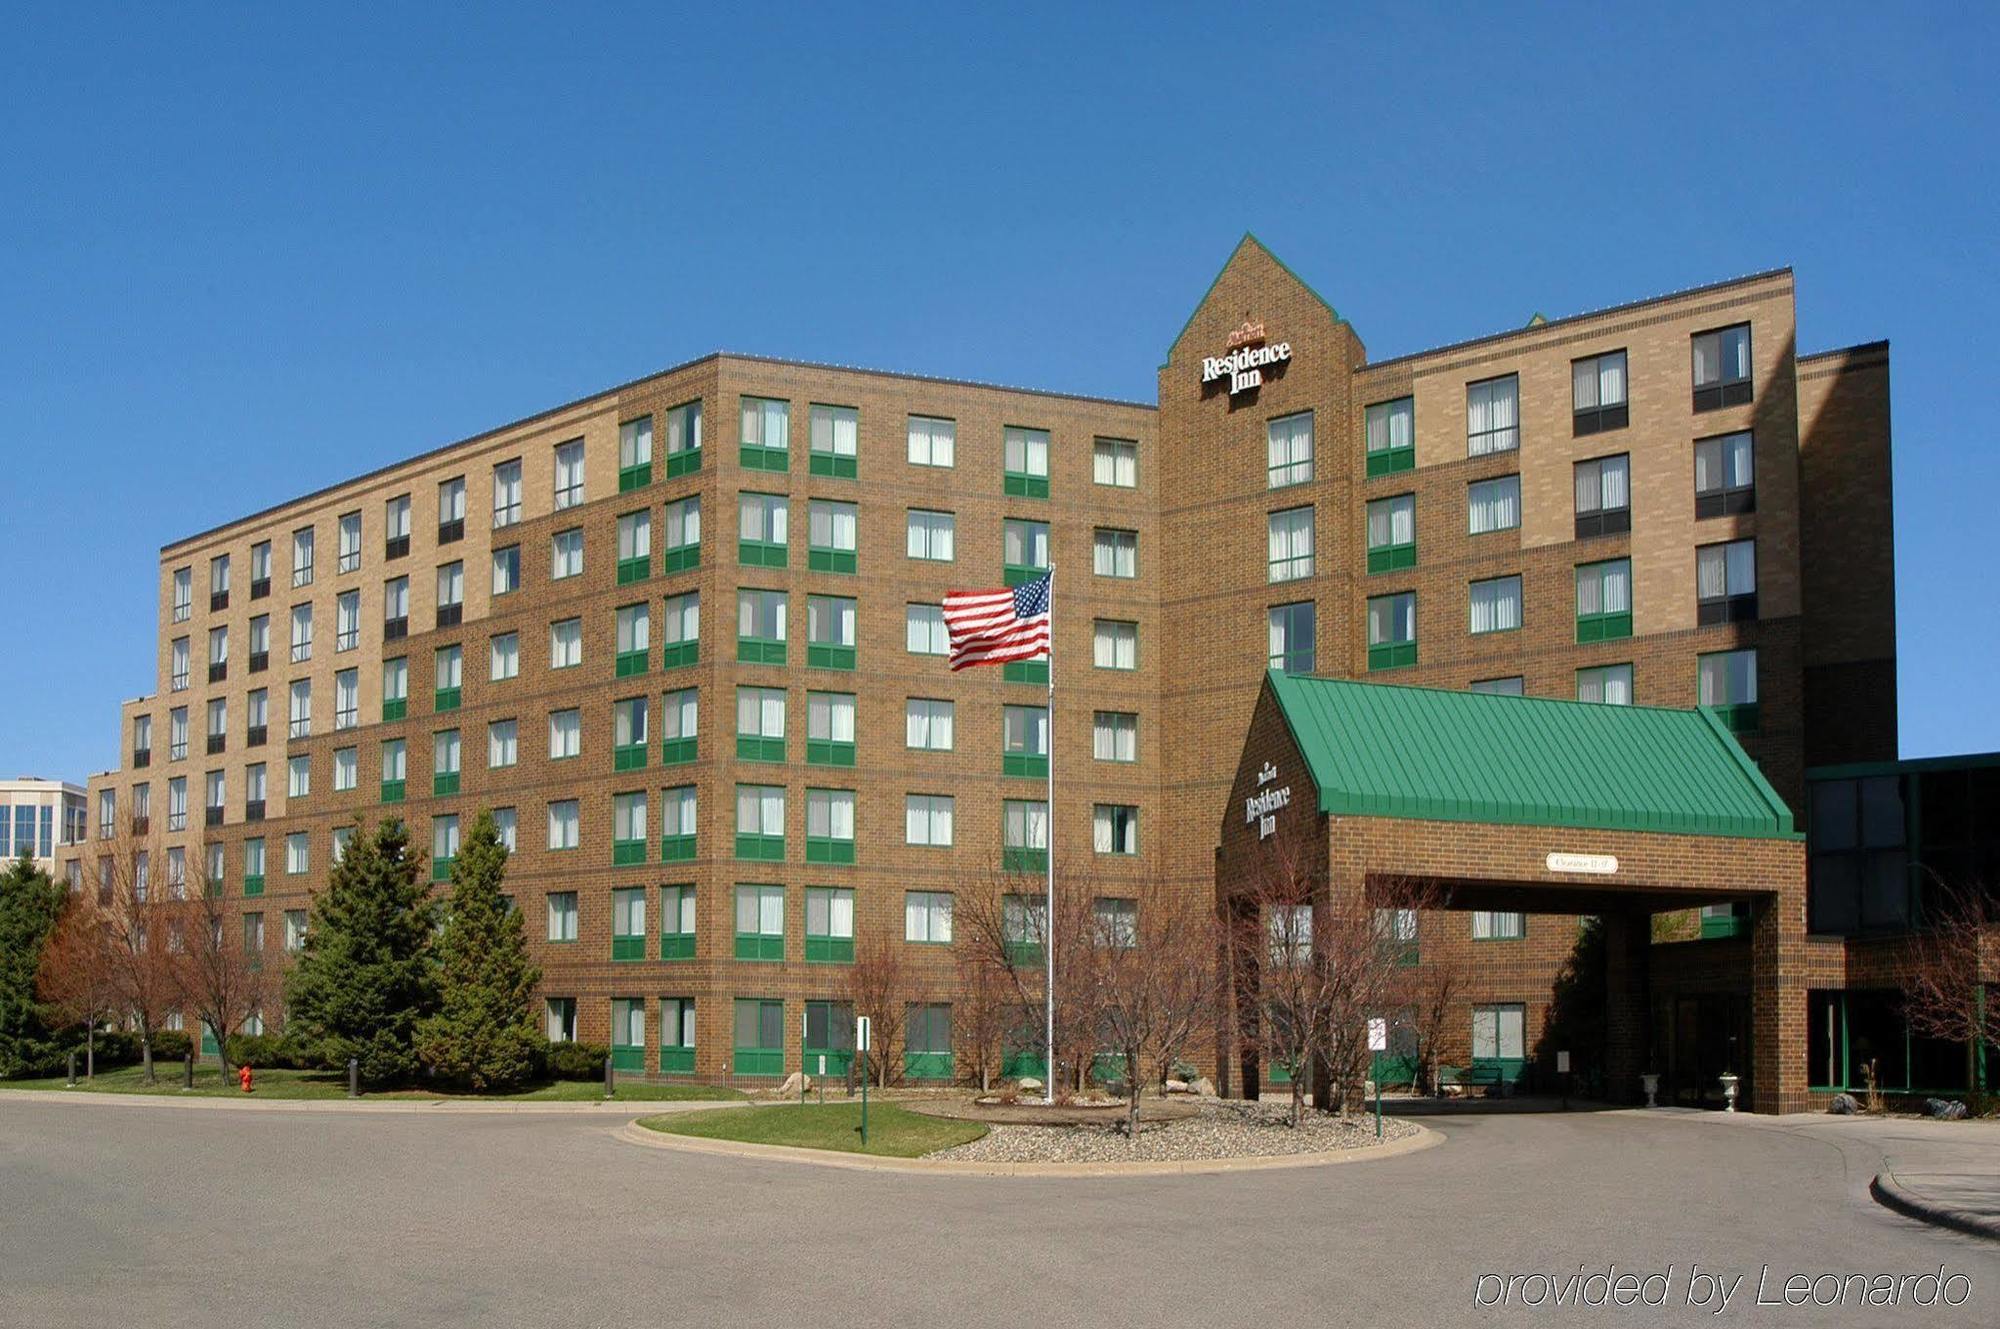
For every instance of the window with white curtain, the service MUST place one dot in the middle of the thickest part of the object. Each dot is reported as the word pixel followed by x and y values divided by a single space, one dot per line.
pixel 178 677
pixel 562 927
pixel 502 743
pixel 1721 367
pixel 451 585
pixel 1392 522
pixel 1604 588
pixel 451 500
pixel 1727 678
pixel 301 708
pixel 928 723
pixel 635 443
pixel 1725 475
pixel 1726 582
pixel 302 556
pixel 565 554
pixel 302 633
pixel 1292 633
pixel 764 518
pixel 760 713
pixel 1114 645
pixel 634 627
pixel 1026 451
pixel 1391 426
pixel 569 474
pixel 924 630
pixel 628 822
pixel 1115 462
pixel 564 824
pixel 1025 544
pixel 1498 1032
pixel 507 493
pixel 1494 505
pixel 349 537
pixel 347 699
pixel 831 525
pixel 1603 496
pixel 678 807
pixel 760 809
pixel 1496 605
pixel 565 643
pixel 1512 686
pixel 395 759
pixel 680 714
pixel 684 523
pixel 1114 553
pixel 835 430
pixel 1597 393
pixel 565 733
pixel 760 911
pixel 1114 736
pixel 830 717
pixel 927 819
pixel 681 619
pixel 683 430
pixel 933 441
pixel 760 615
pixel 1493 416
pixel 1493 925
pixel 504 657
pixel 932 536
pixel 1114 828
pixel 1024 824
pixel 1291 534
pixel 1289 445
pixel 767 423
pixel 1610 685
pixel 927 916
pixel 183 594
pixel 347 621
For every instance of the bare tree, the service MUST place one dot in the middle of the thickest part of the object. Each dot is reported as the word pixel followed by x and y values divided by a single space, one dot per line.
pixel 217 974
pixel 75 977
pixel 980 1015
pixel 1154 958
pixel 1947 995
pixel 1430 991
pixel 144 935
pixel 1002 922
pixel 877 986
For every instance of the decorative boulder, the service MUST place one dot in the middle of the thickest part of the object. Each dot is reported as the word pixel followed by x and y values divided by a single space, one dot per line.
pixel 1028 1084
pixel 1203 1086
pixel 796 1083
pixel 1945 1109
pixel 1177 1086
pixel 1843 1105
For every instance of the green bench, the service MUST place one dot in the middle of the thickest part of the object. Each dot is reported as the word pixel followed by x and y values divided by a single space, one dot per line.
pixel 1468 1078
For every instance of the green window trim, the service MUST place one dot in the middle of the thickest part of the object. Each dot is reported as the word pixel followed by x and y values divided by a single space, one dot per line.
pixel 762 553
pixel 754 457
pixel 444 784
pixel 441 869
pixel 826 849
pixel 629 757
pixel 752 747
pixel 253 884
pixel 676 848
pixel 760 848
pixel 829 657
pixel 626 947
pixel 833 464
pixel 829 950
pixel 395 708
pixel 680 654
pixel 1019 484
pixel 1019 574
pixel 830 560
pixel 630 663
pixel 677 946
pixel 634 569
pixel 676 1060
pixel 1392 655
pixel 1023 953
pixel 626 1057
pixel 1723 925
pixel 927 1066
pixel 829 752
pixel 1024 764
pixel 1025 671
pixel 760 1061
pixel 1392 558
pixel 392 791
pixel 1741 718
pixel 1603 627
pixel 685 462
pixel 634 477
pixel 759 650
pixel 1017 859
pixel 446 699
pixel 763 947
pixel 682 558
pixel 1389 461
pixel 678 751
pixel 1020 1065
pixel 627 853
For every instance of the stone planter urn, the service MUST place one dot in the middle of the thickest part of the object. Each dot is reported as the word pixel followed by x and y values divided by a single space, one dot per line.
pixel 1729 1081
pixel 1650 1082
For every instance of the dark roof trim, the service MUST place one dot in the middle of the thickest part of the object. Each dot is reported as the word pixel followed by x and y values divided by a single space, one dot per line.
pixel 1908 766
pixel 1249 238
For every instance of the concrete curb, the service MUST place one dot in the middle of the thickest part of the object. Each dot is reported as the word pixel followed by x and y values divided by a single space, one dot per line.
pixel 448 1106
pixel 633 1133
pixel 1891 1195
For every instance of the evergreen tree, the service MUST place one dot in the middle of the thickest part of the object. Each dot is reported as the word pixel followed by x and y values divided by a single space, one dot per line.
pixel 30 902
pixel 367 974
pixel 483 1035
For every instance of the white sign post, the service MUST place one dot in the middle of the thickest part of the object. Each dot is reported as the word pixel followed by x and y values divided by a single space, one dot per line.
pixel 861 1046
pixel 1378 1043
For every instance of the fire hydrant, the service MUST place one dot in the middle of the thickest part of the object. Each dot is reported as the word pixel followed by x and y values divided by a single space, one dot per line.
pixel 243 1077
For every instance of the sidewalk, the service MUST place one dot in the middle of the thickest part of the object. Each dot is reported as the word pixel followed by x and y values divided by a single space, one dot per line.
pixel 1967 1198
pixel 431 1106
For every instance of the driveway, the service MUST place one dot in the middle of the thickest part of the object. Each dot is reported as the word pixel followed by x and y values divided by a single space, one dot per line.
pixel 240 1217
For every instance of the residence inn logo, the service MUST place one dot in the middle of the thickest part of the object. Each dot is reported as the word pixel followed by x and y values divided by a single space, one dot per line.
pixel 1246 358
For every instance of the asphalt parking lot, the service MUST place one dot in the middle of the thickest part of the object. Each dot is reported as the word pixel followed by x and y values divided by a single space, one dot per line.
pixel 168 1217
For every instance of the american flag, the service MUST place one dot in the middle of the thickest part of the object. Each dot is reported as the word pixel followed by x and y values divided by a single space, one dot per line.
pixel 998 626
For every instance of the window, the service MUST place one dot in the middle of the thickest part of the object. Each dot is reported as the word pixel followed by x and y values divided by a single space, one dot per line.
pixel 1597 393
pixel 681 630
pixel 1722 367
pixel 565 734
pixel 684 440
pixel 628 830
pixel 346 621
pixel 1725 578
pixel 927 820
pixel 1488 925
pixel 1115 922
pixel 1495 605
pixel 564 824
pixel 759 1027
pixel 928 723
pixel 177 797
pixel 760 822
pixel 1023 924
pixel 677 923
pixel 1024 740
pixel 1603 496
pixel 1392 533
pixel 766 440
pixel 502 743
pixel 444 763
pixel 347 699
pixel 451 510
pixel 762 529
pixel 1498 1034
pixel 1289 440
pixel 260 643
pixel 832 446
pixel 142 740
pixel 254 790
pixel 628 923
pixel 177 733
pixel 679 718
pixel 1025 550
pixel 183 594
pixel 253 866
pixel 395 688
pixel 927 916
pixel 218 577
pixel 830 728
pixel 628 734
pixel 566 643
pixel 569 474
pixel 1024 835
pixel 451 594
pixel 677 823
pixel 1727 685
pixel 760 922
pixel 830 632
pixel 1114 736
pixel 342 835
pixel 924 631
pixel 260 569
pixel 218 654
pixel 218 722
pixel 829 825
pixel 1392 630
pixel 348 548
pixel 760 724
pixel 302 633
pixel 830 536
pixel 1291 544
pixel 448 677
pixel 1391 430
pixel 760 627
pixel 1725 475
pixel 298 854
pixel 1113 645
pixel 180 665
pixel 1610 685
pixel 933 441
pixel 302 556
pixel 505 828
pixel 1114 828
pixel 396 527
pixel 635 639
pixel 1513 686
pixel 503 657
pixel 635 546
pixel 635 453
pixel 253 933
pixel 1115 462
pixel 1494 505
pixel 1493 416
pixel 683 534
pixel 931 535
pixel 560 1015
pixel 829 925
pixel 1114 553
pixel 395 608
pixel 107 813
pixel 1026 458
pixel 566 554
pixel 507 570
pixel 301 709
pixel 562 920
pixel 1604 600
pixel 1292 633
pixel 927 1041
pixel 295 930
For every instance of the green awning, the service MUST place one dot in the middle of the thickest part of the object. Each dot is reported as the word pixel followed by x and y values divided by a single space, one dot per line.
pixel 1377 750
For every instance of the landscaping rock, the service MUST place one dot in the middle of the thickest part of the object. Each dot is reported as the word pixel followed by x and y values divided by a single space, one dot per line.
pixel 1178 1087
pixel 1843 1105
pixel 1945 1109
pixel 795 1084
pixel 1218 1130
pixel 1028 1084
pixel 1203 1086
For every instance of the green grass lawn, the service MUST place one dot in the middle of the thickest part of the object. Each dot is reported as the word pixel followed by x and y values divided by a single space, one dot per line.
pixel 893 1132
pixel 209 1082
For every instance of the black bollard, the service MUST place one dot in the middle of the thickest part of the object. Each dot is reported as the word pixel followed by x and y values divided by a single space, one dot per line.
pixel 354 1077
pixel 187 1070
pixel 610 1079
pixel 72 1069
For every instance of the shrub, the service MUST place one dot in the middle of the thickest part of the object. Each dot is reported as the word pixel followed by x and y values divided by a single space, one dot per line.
pixel 268 1052
pixel 576 1061
pixel 168 1045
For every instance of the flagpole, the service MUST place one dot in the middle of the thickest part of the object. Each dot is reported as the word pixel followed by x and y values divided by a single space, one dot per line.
pixel 1049 834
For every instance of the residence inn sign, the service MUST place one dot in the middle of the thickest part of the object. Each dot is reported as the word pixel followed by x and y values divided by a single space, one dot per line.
pixel 1247 355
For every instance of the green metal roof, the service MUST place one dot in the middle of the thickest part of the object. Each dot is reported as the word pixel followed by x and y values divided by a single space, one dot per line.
pixel 1378 750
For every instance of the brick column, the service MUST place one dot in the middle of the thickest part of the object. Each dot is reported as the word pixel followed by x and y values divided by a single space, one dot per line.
pixel 1628 945
pixel 1778 1002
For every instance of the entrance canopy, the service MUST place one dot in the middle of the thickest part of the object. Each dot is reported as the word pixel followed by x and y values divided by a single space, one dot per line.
pixel 1379 750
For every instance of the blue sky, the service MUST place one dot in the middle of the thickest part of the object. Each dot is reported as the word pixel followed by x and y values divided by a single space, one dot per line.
pixel 244 254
